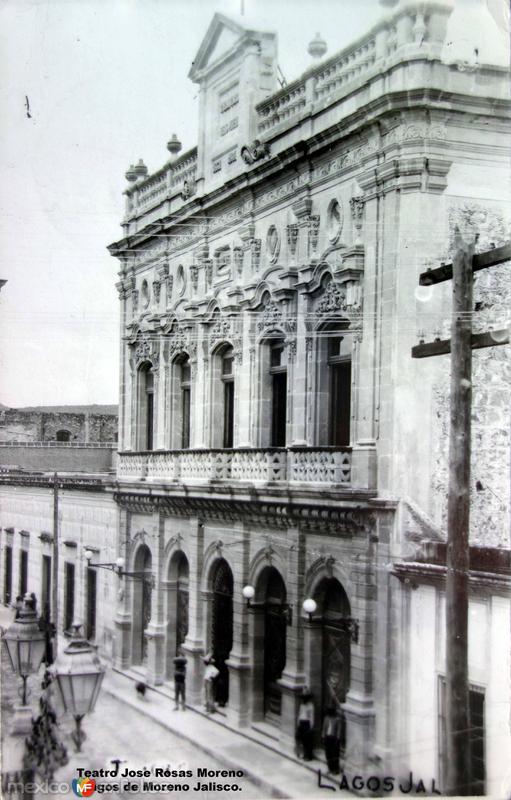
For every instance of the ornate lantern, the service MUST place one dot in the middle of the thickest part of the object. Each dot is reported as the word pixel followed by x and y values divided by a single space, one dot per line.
pixel 79 674
pixel 24 643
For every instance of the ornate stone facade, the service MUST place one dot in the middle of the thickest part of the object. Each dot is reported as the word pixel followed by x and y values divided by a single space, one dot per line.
pixel 292 296
pixel 274 430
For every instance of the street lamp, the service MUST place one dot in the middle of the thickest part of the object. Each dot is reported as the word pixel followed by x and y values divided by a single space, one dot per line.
pixel 309 606
pixel 79 674
pixel 117 566
pixel 249 594
pixel 25 645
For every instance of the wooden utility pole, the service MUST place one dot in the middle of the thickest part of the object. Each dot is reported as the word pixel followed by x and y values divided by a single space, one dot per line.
pixel 55 564
pixel 458 526
pixel 458 756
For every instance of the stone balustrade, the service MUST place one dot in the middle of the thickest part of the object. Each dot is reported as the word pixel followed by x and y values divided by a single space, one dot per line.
pixel 413 28
pixel 324 465
pixel 161 185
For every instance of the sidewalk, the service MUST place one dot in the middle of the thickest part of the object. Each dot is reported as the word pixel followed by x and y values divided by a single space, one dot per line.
pixel 277 775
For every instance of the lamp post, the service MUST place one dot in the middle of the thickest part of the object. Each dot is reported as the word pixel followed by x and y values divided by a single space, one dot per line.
pixel 248 593
pixel 25 645
pixel 79 674
pixel 117 566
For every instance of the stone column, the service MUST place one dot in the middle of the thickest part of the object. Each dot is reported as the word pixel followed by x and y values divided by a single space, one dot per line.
pixel 312 649
pixel 293 677
pixel 359 706
pixel 239 662
pixel 194 644
pixel 155 631
pixel 123 618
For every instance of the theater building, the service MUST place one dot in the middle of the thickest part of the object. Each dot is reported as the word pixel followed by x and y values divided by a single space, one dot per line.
pixel 274 431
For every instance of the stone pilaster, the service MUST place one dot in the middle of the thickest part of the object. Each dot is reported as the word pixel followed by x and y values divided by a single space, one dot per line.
pixel 293 677
pixel 194 646
pixel 155 631
pixel 123 618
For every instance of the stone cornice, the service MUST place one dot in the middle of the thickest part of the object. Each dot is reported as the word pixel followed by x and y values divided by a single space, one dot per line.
pixel 414 574
pixel 351 521
pixel 358 123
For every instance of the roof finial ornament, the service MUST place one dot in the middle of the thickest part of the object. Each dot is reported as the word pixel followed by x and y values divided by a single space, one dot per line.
pixel 174 145
pixel 317 47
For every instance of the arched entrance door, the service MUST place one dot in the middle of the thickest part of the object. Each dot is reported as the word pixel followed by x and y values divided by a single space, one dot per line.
pixel 141 604
pixel 221 626
pixel 177 608
pixel 336 643
pixel 275 632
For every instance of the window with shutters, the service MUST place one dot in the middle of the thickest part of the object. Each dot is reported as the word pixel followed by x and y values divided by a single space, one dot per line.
pixel 69 595
pixel 90 604
pixel 7 575
pixel 23 582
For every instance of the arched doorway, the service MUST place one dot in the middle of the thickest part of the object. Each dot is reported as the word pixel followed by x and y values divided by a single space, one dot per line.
pixel 63 436
pixel 334 606
pixel 177 609
pixel 272 591
pixel 221 626
pixel 141 604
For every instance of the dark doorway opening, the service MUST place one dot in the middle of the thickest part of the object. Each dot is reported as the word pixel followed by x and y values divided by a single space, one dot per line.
pixel 221 627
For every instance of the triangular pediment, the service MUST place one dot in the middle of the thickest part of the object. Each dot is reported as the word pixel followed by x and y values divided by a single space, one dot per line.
pixel 221 37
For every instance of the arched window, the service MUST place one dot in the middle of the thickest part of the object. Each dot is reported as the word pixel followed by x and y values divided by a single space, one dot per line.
pixel 333 395
pixel 145 407
pixel 273 386
pixel 278 377
pixel 222 405
pixel 63 436
pixel 181 403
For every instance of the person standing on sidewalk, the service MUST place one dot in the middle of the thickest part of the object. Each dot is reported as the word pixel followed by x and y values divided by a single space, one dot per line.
pixel 331 738
pixel 305 726
pixel 180 680
pixel 210 675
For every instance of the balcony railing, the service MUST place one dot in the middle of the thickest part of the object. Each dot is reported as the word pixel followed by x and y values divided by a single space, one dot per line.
pixel 255 465
pixel 416 31
pixel 152 190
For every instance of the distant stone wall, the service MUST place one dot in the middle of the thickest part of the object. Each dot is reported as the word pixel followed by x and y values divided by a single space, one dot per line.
pixel 17 425
pixel 64 458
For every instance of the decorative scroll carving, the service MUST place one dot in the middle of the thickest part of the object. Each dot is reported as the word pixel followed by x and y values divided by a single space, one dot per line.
pixel 256 254
pixel 255 151
pixel 291 349
pixel 178 344
pixel 238 350
pixel 336 298
pixel 357 213
pixel 314 221
pixel 238 259
pixel 221 328
pixel 222 258
pixel 146 349
pixel 170 284
pixel 271 316
pixel 292 237
pixel 188 190
pixel 194 276
pixel 208 268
